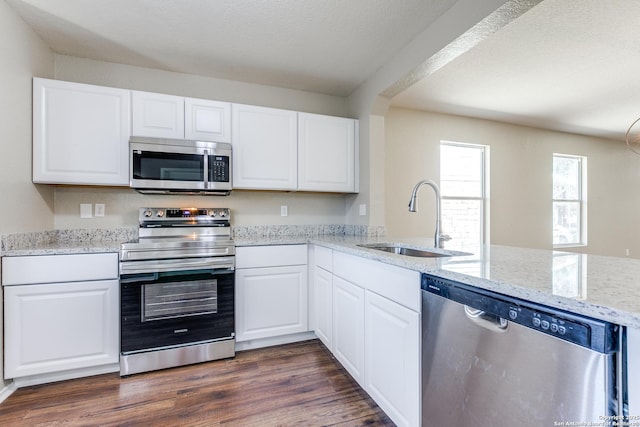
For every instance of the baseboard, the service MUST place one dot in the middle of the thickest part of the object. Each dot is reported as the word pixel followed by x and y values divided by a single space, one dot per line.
pixel 7 391
pixel 269 342
pixel 65 375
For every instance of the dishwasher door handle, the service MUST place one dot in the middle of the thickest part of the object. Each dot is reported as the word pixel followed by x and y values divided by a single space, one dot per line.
pixel 486 320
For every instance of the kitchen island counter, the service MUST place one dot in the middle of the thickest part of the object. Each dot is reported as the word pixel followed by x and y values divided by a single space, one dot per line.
pixel 602 287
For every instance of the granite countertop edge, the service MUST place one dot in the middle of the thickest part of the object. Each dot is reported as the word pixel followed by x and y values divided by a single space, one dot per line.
pixel 349 245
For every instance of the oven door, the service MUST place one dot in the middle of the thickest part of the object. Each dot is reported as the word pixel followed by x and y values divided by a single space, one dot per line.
pixel 172 308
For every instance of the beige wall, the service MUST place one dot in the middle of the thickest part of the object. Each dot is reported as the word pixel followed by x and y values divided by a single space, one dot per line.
pixel 520 180
pixel 249 207
pixel 23 206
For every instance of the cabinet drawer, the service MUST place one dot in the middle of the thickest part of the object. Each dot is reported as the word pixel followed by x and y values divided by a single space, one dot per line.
pixel 323 257
pixel 397 284
pixel 25 270
pixel 270 256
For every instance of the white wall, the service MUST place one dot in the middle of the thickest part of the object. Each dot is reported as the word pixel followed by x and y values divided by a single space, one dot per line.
pixel 23 206
pixel 520 180
pixel 248 207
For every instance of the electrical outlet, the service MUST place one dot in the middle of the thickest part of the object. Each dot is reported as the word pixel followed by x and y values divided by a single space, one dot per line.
pixel 362 209
pixel 284 211
pixel 86 210
pixel 99 209
pixel 626 252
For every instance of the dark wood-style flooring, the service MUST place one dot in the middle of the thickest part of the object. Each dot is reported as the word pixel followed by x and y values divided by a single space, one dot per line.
pixel 295 384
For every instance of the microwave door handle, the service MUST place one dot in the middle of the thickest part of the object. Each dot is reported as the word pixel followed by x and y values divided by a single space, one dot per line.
pixel 206 169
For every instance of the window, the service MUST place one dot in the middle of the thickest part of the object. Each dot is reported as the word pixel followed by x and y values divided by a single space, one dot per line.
pixel 569 196
pixel 464 192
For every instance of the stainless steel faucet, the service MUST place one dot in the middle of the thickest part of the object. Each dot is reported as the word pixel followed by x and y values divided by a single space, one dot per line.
pixel 413 207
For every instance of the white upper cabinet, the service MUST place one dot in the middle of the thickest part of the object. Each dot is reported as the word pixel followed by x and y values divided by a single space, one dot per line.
pixel 167 116
pixel 80 133
pixel 265 148
pixel 207 120
pixel 157 115
pixel 326 153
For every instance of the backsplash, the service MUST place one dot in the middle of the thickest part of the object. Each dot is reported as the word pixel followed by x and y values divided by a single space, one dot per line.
pixel 15 241
pixel 245 232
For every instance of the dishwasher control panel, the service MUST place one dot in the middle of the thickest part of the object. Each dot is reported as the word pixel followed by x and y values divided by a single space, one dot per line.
pixel 587 332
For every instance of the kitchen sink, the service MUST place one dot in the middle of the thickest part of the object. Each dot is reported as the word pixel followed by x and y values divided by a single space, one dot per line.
pixel 404 250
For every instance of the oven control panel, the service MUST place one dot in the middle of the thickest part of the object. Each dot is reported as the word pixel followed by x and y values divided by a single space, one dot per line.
pixel 190 215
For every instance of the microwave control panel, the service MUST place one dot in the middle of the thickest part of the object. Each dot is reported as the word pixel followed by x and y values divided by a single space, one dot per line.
pixel 219 168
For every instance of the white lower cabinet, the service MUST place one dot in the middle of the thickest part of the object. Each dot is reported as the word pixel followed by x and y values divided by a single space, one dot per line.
pixel 375 318
pixel 60 326
pixel 271 291
pixel 323 303
pixel 271 302
pixel 392 358
pixel 348 327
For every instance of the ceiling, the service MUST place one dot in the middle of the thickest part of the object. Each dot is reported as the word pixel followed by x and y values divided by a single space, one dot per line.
pixel 563 65
pixel 325 46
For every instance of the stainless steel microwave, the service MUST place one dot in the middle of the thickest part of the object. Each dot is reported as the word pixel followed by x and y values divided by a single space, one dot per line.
pixel 175 166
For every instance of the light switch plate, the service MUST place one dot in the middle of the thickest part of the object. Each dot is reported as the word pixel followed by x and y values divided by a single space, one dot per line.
pixel 85 210
pixel 284 211
pixel 362 209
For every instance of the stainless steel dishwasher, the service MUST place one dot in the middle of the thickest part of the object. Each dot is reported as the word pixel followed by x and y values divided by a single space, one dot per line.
pixel 493 360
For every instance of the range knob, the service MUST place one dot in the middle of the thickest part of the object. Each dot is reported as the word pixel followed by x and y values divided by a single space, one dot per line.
pixel 160 213
pixel 211 213
pixel 148 213
pixel 223 213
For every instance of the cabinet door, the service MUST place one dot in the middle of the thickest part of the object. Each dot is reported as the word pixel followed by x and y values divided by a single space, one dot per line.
pixel 323 304
pixel 326 153
pixel 157 115
pixel 271 302
pixel 207 120
pixel 60 326
pixel 348 327
pixel 265 150
pixel 80 133
pixel 392 358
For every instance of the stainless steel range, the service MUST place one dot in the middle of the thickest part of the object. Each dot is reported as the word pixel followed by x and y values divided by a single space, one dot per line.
pixel 177 290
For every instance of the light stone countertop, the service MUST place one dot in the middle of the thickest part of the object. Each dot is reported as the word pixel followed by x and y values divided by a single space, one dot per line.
pixel 605 288
pixel 66 242
pixel 602 287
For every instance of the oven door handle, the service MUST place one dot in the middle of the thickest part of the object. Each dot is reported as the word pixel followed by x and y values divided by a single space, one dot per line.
pixel 224 264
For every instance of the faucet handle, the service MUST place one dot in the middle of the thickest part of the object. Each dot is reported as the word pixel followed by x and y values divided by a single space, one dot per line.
pixel 445 237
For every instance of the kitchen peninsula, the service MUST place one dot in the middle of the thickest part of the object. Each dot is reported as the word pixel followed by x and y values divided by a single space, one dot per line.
pixel 607 288
pixel 602 287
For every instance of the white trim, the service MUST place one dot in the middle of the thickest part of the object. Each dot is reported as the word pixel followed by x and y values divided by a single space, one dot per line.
pixel 7 391
pixel 66 375
pixel 269 342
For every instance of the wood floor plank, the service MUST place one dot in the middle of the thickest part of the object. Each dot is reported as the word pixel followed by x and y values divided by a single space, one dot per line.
pixel 296 384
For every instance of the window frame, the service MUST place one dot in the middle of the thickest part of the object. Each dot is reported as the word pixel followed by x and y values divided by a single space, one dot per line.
pixel 581 201
pixel 484 197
